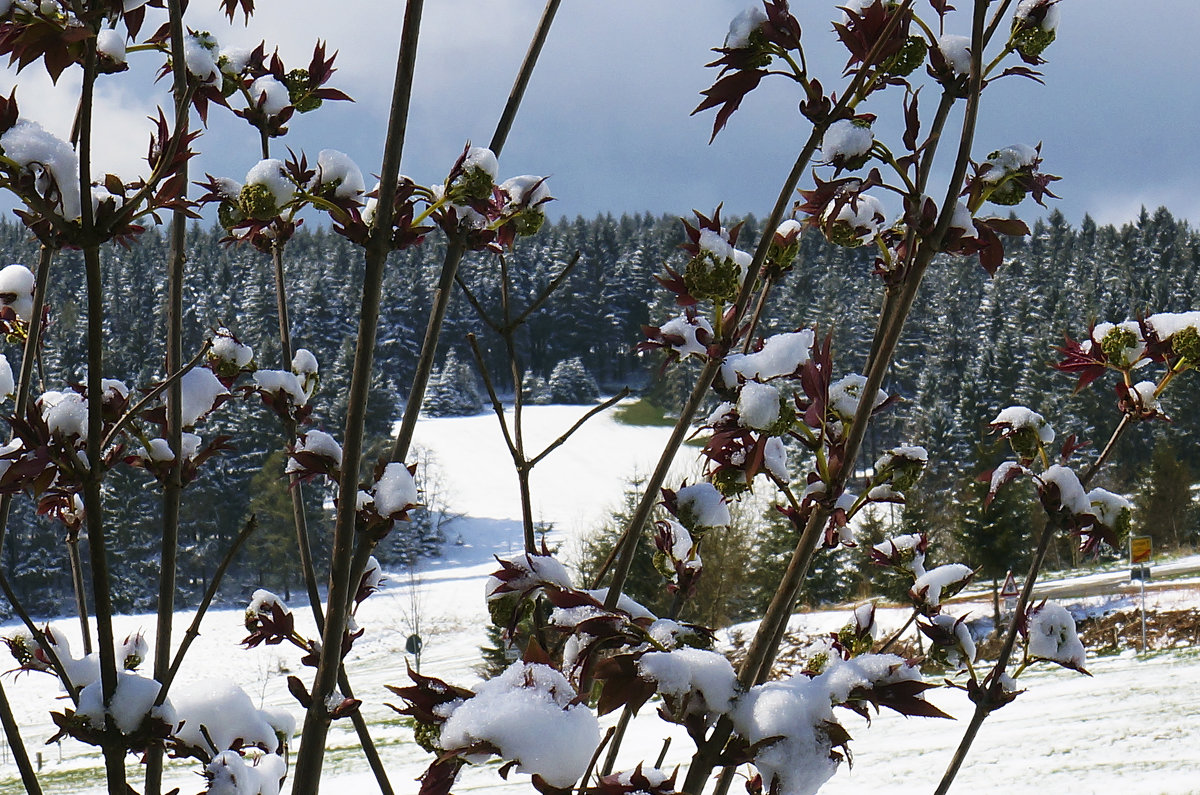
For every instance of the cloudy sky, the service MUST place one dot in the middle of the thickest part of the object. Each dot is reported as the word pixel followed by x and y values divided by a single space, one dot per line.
pixel 607 113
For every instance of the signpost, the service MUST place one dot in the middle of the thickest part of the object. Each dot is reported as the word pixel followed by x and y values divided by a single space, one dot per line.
pixel 1009 592
pixel 413 646
pixel 1141 549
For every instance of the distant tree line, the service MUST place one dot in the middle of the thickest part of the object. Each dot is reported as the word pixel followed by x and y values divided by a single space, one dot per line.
pixel 976 345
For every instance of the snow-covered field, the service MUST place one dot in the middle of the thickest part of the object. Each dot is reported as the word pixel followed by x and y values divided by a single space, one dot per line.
pixel 1131 728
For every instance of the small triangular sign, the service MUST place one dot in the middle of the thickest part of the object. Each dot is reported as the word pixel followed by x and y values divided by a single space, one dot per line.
pixel 1010 586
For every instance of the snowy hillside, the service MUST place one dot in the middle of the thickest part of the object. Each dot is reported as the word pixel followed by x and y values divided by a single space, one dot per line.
pixel 1130 728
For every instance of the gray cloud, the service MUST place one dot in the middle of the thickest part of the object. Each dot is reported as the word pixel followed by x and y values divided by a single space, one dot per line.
pixel 607 111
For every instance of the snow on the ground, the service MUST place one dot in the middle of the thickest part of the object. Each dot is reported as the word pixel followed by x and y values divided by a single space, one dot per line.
pixel 1131 728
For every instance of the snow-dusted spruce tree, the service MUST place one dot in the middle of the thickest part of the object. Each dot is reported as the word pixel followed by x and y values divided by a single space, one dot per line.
pixel 452 391
pixel 570 382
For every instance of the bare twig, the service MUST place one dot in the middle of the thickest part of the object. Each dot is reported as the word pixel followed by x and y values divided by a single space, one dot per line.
pixel 592 762
pixel 39 637
pixel 193 630
pixel 990 698
pixel 612 401
pixel 20 755
pixel 150 396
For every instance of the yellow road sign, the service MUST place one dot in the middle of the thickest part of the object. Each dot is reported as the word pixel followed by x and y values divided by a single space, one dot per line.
pixel 1140 548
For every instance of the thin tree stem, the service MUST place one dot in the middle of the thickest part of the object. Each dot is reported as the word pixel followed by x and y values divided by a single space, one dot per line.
pixel 114 753
pixel 309 758
pixel 898 633
pixel 993 686
pixel 12 731
pixel 296 488
pixel 80 589
pixel 504 125
pixel 193 630
pixel 20 755
pixel 173 488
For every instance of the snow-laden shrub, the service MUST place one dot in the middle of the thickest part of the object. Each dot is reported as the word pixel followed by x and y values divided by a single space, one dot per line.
pixel 452 390
pixel 570 382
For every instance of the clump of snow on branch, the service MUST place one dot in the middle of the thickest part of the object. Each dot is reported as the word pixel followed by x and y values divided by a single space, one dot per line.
pixel 706 678
pixel 532 716
pixel 781 355
pixel 111 43
pixel 48 158
pixel 686 328
pixel 16 288
pixel 799 712
pixel 758 406
pixel 7 382
pixel 200 389
pixel 131 702
pixel 929 586
pixel 281 382
pixel 743 25
pixel 224 712
pixel 1052 636
pixel 957 52
pixel 703 505
pixel 200 52
pixel 846 141
pixel 335 168
pixel 1070 491
pixel 395 490
pixel 1009 160
pixel 270 95
pixel 844 396
pixel 65 413
pixel 229 773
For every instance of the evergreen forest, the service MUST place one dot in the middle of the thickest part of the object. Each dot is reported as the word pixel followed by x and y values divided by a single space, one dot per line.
pixel 974 345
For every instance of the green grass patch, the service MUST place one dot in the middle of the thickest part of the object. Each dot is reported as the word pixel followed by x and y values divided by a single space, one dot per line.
pixel 642 412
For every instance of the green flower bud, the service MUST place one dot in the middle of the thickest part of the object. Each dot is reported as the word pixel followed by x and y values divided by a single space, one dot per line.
pixel 787 416
pixel 528 222
pixel 853 642
pixel 905 473
pixel 299 94
pixel 229 86
pixel 911 56
pixel 475 184
pixel 843 234
pixel 427 736
pixel 730 482
pixel 1116 345
pixel 1030 39
pixel 817 663
pixel 1186 345
pixel 257 202
pixel 663 566
pixel 1007 193
pixel 1123 526
pixel 779 258
pixel 229 215
pixel 501 608
pixel 758 55
pixel 1025 442
pixel 707 278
